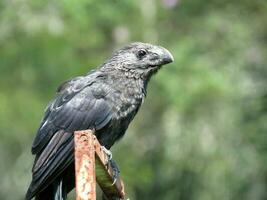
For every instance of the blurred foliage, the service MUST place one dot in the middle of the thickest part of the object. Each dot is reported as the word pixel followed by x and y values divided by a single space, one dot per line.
pixel 201 133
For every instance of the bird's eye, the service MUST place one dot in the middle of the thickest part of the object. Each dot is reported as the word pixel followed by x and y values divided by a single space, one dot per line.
pixel 141 53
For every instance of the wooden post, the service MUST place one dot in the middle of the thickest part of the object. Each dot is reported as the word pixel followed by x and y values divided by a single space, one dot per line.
pixel 91 165
pixel 85 166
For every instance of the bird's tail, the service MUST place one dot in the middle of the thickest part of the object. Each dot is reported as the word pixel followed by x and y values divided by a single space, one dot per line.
pixel 60 192
pixel 56 191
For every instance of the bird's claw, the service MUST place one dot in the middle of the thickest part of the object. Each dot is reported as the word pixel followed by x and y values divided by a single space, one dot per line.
pixel 115 171
pixel 114 181
pixel 114 166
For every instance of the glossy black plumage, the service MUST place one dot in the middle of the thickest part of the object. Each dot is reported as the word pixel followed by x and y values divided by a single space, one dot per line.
pixel 105 100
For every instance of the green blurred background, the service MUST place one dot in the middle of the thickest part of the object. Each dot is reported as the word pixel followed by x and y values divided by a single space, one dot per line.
pixel 201 133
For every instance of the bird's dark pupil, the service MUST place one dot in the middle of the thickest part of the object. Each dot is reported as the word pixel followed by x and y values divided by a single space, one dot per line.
pixel 141 53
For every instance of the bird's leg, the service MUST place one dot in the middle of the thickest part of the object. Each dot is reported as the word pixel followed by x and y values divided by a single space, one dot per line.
pixel 108 152
pixel 113 165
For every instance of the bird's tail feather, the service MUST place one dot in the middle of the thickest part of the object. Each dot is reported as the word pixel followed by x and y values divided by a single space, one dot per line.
pixel 56 191
pixel 60 191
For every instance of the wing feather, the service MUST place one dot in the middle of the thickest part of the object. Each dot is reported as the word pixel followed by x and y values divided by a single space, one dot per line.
pixel 60 112
pixel 75 108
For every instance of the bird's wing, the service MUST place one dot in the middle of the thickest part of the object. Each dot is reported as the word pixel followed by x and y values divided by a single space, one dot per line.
pixel 75 108
pixel 51 162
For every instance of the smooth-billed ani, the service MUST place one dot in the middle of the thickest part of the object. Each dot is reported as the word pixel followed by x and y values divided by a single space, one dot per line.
pixel 106 100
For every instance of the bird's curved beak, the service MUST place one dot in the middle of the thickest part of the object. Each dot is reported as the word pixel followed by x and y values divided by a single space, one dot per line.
pixel 163 56
pixel 167 57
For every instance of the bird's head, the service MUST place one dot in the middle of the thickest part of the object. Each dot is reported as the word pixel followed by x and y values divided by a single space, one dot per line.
pixel 140 59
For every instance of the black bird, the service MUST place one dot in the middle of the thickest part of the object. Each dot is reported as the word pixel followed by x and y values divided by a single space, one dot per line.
pixel 106 100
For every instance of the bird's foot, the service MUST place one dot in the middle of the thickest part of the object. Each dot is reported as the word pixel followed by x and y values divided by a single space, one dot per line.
pixel 115 171
pixel 112 163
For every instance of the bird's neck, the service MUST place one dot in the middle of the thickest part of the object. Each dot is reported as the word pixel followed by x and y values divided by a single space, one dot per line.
pixel 128 81
pixel 131 85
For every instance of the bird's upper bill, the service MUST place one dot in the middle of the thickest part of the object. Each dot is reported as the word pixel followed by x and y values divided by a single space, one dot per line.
pixel 162 55
pixel 141 58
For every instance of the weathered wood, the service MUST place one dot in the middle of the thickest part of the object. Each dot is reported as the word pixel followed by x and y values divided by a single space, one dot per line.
pixel 85 166
pixel 104 174
pixel 91 165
